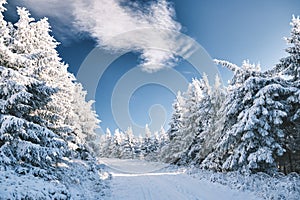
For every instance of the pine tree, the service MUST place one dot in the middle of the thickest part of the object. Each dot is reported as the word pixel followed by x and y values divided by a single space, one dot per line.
pixel 176 125
pixel 128 144
pixel 105 144
pixel 29 50
pixel 68 114
pixel 31 140
pixel 85 119
pixel 138 153
pixel 4 29
pixel 290 66
pixel 7 57
pixel 189 122
pixel 22 137
pixel 24 34
pixel 147 141
pixel 176 120
pixel 118 138
pixel 209 117
pixel 256 113
pixel 32 41
pixel 163 137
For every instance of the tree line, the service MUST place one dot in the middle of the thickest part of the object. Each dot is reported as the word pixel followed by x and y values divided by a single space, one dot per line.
pixel 252 125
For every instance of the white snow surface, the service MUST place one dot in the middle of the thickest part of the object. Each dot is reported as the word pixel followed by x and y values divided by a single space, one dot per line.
pixel 75 180
pixel 137 179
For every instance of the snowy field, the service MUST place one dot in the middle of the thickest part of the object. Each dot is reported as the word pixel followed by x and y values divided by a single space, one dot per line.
pixel 262 185
pixel 134 179
pixel 73 179
pixel 137 179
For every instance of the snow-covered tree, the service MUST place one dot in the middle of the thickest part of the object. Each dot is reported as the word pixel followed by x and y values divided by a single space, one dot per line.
pixel 138 154
pixel 7 57
pixel 30 50
pixel 24 34
pixel 209 121
pixel 32 41
pixel 4 29
pixel 118 138
pixel 186 119
pixel 176 119
pixel 68 114
pixel 23 138
pixel 163 137
pixel 289 68
pixel 290 65
pixel 105 144
pixel 86 119
pixel 147 143
pixel 32 140
pixel 256 113
pixel 191 120
pixel 176 124
pixel 128 144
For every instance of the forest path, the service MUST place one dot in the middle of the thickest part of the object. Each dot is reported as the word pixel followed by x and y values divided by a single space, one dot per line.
pixel 136 179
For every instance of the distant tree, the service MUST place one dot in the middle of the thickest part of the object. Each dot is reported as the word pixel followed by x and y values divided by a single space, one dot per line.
pixel 163 137
pixel 176 119
pixel 147 143
pixel 138 153
pixel 128 144
pixel 106 144
pixel 116 151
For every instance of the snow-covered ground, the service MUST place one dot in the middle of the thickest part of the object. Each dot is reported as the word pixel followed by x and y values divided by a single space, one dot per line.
pixel 135 179
pixel 278 186
pixel 72 179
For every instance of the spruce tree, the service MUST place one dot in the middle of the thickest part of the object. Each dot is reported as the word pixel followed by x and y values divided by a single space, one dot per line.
pixel 290 65
pixel 23 138
pixel 256 114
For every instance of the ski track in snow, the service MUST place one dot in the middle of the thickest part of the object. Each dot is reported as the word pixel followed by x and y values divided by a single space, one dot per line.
pixel 138 180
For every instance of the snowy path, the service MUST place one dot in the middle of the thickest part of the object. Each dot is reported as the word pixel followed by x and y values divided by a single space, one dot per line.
pixel 133 179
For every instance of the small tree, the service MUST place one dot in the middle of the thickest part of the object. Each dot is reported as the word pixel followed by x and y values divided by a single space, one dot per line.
pixel 118 138
pixel 176 120
pixel 128 144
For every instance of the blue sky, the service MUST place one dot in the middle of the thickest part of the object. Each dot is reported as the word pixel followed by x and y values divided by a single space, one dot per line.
pixel 233 30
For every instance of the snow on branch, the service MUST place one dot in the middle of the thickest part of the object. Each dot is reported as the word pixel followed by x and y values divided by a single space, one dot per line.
pixel 227 64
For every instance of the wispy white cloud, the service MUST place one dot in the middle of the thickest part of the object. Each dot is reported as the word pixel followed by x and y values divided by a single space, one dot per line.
pixel 118 25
